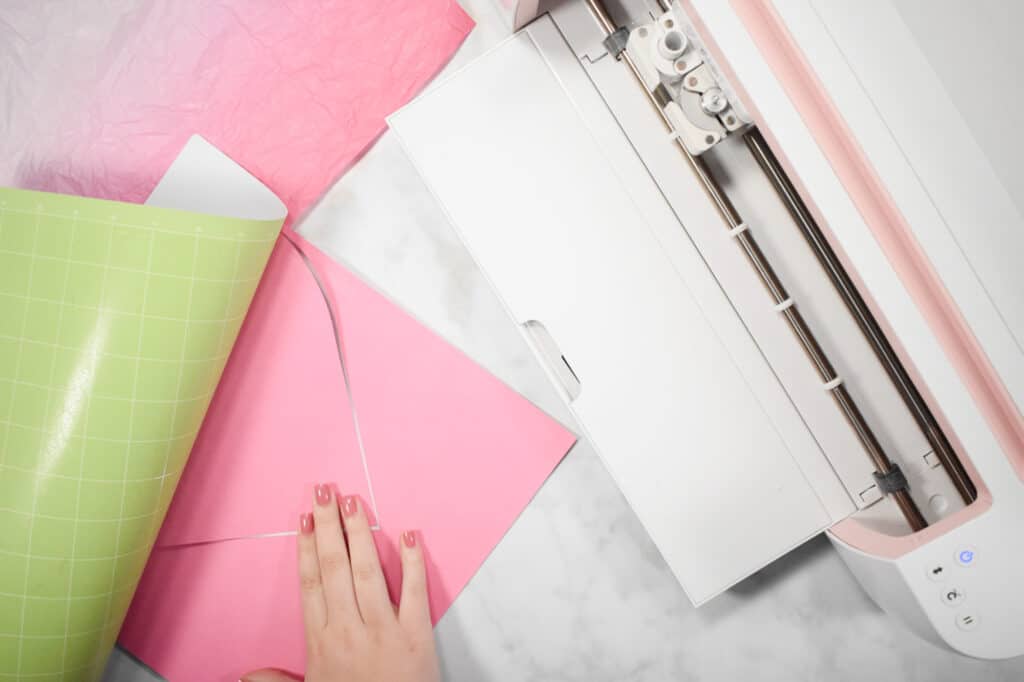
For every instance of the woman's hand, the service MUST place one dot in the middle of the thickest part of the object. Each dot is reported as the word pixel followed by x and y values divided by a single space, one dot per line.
pixel 353 632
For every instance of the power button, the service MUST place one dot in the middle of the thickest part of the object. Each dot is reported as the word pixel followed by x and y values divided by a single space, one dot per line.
pixel 966 556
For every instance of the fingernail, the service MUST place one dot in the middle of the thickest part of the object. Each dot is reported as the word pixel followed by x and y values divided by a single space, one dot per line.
pixel 306 523
pixel 349 506
pixel 409 538
pixel 322 493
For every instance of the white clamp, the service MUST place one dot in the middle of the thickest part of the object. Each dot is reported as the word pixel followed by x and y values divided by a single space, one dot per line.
pixel 784 305
pixel 738 230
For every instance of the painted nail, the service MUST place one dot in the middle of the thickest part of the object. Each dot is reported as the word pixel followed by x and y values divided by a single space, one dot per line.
pixel 306 523
pixel 409 538
pixel 323 494
pixel 349 506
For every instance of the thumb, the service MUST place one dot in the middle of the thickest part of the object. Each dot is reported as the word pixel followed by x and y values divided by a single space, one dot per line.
pixel 269 675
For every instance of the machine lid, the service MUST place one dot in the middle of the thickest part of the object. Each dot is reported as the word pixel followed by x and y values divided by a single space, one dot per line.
pixel 556 227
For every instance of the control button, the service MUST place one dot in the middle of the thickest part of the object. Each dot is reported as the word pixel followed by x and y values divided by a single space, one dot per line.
pixel 966 556
pixel 937 573
pixel 952 596
pixel 966 621
pixel 938 503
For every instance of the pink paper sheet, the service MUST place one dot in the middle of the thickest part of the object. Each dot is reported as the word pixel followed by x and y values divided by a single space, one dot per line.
pixel 99 97
pixel 450 451
pixel 440 433
pixel 279 422
pixel 219 610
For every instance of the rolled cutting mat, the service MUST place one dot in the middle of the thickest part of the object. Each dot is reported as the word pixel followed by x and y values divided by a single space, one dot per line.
pixel 116 321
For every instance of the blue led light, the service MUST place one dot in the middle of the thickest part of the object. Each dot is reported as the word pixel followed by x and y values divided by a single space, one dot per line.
pixel 966 556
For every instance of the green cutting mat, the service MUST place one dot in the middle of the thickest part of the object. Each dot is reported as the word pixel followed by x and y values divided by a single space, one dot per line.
pixel 115 323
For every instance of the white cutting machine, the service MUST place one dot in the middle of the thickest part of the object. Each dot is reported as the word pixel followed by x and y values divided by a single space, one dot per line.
pixel 770 257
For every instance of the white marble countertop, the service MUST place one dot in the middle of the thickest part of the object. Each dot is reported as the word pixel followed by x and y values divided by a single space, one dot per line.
pixel 576 590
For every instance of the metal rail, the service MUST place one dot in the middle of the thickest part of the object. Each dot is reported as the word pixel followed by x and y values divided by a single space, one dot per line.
pixel 861 313
pixel 783 302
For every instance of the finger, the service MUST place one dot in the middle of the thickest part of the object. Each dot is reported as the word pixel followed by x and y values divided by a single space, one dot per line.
pixel 414 607
pixel 367 576
pixel 314 609
pixel 268 675
pixel 332 555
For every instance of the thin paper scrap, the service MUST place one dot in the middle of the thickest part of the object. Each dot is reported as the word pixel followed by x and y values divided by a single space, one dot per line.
pixel 280 421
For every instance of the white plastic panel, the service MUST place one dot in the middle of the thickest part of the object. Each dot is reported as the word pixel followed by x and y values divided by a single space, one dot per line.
pixel 979 561
pixel 693 236
pixel 852 235
pixel 926 153
pixel 987 32
pixel 555 227
pixel 703 236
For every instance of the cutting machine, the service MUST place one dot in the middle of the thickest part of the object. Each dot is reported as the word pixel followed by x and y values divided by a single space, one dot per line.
pixel 769 257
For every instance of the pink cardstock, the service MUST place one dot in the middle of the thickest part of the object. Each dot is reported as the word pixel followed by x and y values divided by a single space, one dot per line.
pixel 439 432
pixel 279 422
pixel 101 97
pixel 211 613
pixel 450 451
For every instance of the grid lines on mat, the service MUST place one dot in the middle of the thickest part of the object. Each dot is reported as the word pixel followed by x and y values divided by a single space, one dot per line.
pixel 113 334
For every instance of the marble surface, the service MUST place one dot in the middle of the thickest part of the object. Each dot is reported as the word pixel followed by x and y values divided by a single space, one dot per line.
pixel 576 590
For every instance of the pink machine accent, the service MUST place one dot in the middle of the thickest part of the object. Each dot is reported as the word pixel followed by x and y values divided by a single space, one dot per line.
pixel 889 227
pixel 886 223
